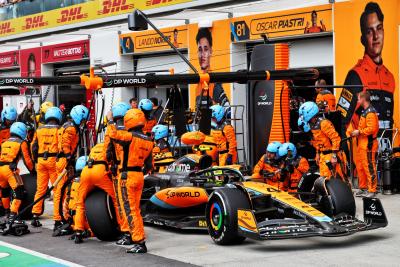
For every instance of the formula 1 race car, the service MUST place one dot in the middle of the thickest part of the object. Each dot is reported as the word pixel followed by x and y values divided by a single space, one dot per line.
pixel 193 195
pixel 260 211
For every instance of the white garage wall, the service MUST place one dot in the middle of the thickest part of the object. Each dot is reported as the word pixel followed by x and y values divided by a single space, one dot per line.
pixel 311 53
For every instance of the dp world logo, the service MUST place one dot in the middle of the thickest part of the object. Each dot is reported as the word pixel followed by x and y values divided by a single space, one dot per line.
pixel 109 83
pixel 2 81
pixel 263 97
pixel 372 207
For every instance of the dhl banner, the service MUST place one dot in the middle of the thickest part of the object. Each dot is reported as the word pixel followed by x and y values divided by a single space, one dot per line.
pixel 295 22
pixel 148 41
pixel 91 10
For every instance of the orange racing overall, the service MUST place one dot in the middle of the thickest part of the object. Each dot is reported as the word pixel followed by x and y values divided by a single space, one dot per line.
pixel 367 149
pixel 272 167
pixel 115 155
pixel 95 174
pixel 137 160
pixel 45 151
pixel 11 152
pixel 327 142
pixel 225 138
pixel 68 139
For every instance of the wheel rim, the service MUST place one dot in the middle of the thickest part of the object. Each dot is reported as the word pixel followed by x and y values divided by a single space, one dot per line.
pixel 216 216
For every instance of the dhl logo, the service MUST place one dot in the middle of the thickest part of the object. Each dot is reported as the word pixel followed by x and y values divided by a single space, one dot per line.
pixel 72 14
pixel 157 2
pixel 34 22
pixel 111 6
pixel 5 28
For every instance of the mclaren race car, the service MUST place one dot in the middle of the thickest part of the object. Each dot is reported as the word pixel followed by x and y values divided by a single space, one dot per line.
pixel 192 195
pixel 260 211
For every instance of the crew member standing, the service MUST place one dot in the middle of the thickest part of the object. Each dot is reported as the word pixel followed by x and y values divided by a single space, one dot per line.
pixel 115 156
pixel 325 100
pixel 138 148
pixel 367 132
pixel 45 152
pixel 224 136
pixel 326 140
pixel 8 117
pixel 146 106
pixel 68 139
pixel 12 150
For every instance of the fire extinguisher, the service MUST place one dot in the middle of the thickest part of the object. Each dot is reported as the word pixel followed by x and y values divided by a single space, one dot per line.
pixel 387 176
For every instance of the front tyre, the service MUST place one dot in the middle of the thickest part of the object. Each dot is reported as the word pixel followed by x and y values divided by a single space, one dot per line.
pixel 221 215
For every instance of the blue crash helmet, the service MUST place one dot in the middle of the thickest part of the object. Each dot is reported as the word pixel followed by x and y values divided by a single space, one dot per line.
pixel 145 105
pixel 308 110
pixel 304 126
pixel 9 113
pixel 273 147
pixel 19 129
pixel 53 113
pixel 160 131
pixel 285 148
pixel 218 112
pixel 79 113
pixel 119 110
pixel 80 163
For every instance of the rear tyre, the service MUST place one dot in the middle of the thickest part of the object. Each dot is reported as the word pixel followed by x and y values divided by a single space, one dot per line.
pixel 341 196
pixel 29 181
pixel 100 214
pixel 221 215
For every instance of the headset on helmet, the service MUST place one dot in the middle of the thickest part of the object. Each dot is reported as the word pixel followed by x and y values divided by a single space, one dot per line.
pixel 53 113
pixel 308 110
pixel 304 126
pixel 19 129
pixel 273 147
pixel 45 106
pixel 146 105
pixel 9 113
pixel 218 112
pixel 119 110
pixel 288 149
pixel 79 113
pixel 134 118
pixel 160 131
pixel 80 163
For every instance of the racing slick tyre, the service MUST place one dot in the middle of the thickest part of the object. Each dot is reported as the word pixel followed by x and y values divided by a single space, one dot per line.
pixel 29 181
pixel 306 185
pixel 341 196
pixel 221 215
pixel 100 215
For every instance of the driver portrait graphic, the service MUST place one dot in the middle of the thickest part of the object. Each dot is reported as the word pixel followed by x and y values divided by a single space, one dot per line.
pixel 370 73
pixel 217 93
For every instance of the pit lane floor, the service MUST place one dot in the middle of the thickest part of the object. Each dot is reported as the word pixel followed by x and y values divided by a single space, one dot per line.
pixel 181 248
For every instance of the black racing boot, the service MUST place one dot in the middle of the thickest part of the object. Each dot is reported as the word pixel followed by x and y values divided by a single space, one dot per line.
pixel 57 224
pixel 138 248
pixel 11 217
pixel 35 221
pixel 125 240
pixel 78 237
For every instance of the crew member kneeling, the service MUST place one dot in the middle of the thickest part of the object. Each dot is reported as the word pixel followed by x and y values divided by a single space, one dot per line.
pixel 11 152
pixel 295 165
pixel 138 148
pixel 269 166
pixel 95 174
pixel 367 132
